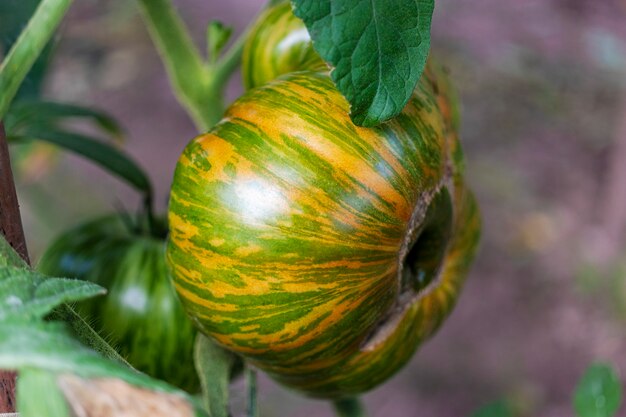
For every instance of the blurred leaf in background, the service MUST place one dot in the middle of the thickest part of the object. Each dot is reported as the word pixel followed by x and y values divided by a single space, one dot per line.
pixel 599 392
pixel 500 408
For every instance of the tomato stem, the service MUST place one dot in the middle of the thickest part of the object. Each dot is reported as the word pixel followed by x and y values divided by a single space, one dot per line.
pixel 251 391
pixel 214 366
pixel 349 407
pixel 148 212
pixel 185 67
pixel 199 84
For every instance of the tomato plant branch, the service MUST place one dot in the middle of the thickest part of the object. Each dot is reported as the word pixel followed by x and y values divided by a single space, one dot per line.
pixel 252 410
pixel 10 220
pixel 28 47
pixel 230 60
pixel 214 366
pixel 349 407
pixel 186 69
pixel 199 84
pixel 11 228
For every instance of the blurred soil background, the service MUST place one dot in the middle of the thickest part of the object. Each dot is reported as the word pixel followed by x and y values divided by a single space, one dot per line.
pixel 542 85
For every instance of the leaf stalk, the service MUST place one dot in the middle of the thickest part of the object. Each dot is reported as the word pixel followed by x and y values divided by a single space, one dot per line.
pixel 28 47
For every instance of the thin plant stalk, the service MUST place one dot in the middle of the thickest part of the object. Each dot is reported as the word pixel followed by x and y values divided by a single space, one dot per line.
pixel 252 409
pixel 349 407
pixel 199 84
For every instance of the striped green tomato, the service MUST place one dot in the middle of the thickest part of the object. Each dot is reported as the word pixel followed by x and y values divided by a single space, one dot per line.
pixel 141 314
pixel 322 252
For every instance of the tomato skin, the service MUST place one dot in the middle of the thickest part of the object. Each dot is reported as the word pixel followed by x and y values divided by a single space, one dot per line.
pixel 322 252
pixel 279 44
pixel 141 315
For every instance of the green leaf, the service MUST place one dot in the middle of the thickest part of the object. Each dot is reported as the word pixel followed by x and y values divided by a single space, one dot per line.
pixel 599 392
pixel 48 346
pixel 8 256
pixel 495 409
pixel 28 295
pixel 39 396
pixel 14 16
pixel 217 35
pixel 28 47
pixel 84 333
pixel 377 48
pixel 105 155
pixel 215 366
pixel 41 112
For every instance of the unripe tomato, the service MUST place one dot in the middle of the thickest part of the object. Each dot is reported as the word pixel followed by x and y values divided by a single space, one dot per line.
pixel 140 315
pixel 322 252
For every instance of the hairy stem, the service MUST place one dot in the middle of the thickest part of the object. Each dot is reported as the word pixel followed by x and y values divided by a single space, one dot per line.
pixel 28 47
pixel 349 407
pixel 85 334
pixel 188 73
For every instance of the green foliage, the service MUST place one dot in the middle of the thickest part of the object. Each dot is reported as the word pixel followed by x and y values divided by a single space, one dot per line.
pixel 103 154
pixel 42 350
pixel 38 394
pixel 8 257
pixel 141 314
pixel 31 295
pixel 599 392
pixel 378 49
pixel 14 15
pixel 28 47
pixel 215 367
pixel 217 35
pixel 38 120
pixel 27 113
pixel 48 346
pixel 188 73
pixel 35 119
